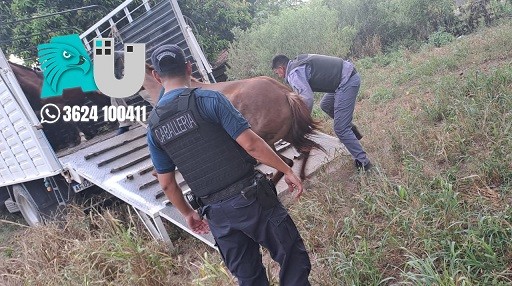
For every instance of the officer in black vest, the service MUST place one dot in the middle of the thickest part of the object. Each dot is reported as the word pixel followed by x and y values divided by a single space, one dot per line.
pixel 338 78
pixel 200 132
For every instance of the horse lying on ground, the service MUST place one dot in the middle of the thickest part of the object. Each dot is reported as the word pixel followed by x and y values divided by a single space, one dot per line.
pixel 274 111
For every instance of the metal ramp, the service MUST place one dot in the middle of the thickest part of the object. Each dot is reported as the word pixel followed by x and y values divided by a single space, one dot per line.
pixel 121 166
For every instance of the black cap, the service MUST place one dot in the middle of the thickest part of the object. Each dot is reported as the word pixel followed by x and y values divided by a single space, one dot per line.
pixel 167 58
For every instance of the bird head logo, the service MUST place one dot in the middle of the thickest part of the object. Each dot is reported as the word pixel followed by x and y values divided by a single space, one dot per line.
pixel 65 64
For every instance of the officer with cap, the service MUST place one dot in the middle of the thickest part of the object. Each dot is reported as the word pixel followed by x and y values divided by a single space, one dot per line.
pixel 309 73
pixel 200 132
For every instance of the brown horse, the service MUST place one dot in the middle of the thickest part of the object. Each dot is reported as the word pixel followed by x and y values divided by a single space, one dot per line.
pixel 31 82
pixel 274 111
pixel 60 134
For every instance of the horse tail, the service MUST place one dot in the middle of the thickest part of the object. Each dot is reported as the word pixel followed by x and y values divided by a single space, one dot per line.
pixel 303 125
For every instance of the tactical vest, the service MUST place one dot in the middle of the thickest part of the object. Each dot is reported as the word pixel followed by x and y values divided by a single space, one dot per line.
pixel 207 157
pixel 325 71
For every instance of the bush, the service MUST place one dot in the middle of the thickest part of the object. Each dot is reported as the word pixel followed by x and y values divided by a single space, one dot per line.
pixel 357 28
pixel 311 28
pixel 440 38
pixel 476 13
pixel 381 25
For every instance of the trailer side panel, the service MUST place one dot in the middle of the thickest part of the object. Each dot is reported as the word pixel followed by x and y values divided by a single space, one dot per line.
pixel 25 154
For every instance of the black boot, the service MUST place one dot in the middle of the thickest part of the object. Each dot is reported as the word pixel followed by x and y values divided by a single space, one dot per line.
pixel 366 168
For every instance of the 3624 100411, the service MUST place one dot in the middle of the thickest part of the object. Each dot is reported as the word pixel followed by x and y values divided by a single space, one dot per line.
pixel 110 113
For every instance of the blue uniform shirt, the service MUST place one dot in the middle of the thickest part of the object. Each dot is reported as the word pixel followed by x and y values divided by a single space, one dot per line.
pixel 214 107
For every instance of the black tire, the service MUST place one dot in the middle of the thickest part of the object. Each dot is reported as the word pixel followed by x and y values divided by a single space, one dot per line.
pixel 34 202
pixel 27 206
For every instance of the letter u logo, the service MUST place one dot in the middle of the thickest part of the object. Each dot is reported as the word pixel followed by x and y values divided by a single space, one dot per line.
pixel 134 68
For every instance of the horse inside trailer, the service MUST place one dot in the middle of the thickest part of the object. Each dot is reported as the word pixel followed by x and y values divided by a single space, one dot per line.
pixel 60 134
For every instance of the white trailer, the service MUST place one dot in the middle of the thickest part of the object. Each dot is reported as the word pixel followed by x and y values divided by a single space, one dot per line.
pixel 39 180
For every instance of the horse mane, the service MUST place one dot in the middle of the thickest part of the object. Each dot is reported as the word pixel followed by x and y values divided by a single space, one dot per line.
pixel 281 85
pixel 21 66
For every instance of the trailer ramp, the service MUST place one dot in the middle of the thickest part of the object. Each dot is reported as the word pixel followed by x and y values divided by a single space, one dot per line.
pixel 121 165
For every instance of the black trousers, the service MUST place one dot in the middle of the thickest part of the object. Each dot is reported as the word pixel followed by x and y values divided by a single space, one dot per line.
pixel 240 226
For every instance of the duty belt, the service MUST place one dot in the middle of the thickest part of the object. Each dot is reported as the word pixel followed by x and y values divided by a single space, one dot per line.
pixel 229 192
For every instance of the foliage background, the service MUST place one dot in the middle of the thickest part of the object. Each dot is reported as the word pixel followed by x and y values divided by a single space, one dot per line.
pixel 356 28
pixel 213 20
pixel 22 38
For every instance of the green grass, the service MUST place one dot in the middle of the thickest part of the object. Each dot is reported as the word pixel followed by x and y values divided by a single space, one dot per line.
pixel 449 219
pixel 9 225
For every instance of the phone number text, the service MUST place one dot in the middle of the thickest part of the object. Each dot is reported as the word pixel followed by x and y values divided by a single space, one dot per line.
pixel 107 113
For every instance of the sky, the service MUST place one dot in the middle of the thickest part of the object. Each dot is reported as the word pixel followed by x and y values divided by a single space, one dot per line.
pixel 15 59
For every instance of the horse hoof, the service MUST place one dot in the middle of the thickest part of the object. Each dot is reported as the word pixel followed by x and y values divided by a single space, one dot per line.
pixel 87 135
pixel 122 130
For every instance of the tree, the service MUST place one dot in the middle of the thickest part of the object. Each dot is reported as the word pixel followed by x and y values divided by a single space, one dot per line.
pixel 5 16
pixel 261 10
pixel 214 20
pixel 21 35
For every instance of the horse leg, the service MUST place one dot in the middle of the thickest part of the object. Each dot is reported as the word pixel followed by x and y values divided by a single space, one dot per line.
pixel 303 166
pixel 278 175
pixel 61 134
pixel 88 129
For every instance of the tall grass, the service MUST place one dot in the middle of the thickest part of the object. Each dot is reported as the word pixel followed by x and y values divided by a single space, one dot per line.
pixel 95 249
pixel 438 212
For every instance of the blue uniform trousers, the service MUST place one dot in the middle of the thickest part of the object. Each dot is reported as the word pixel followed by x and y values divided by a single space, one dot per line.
pixel 240 226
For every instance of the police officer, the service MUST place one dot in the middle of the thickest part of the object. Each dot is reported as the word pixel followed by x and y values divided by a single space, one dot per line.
pixel 338 78
pixel 200 132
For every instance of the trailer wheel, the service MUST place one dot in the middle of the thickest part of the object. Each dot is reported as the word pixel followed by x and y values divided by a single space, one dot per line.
pixel 27 205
